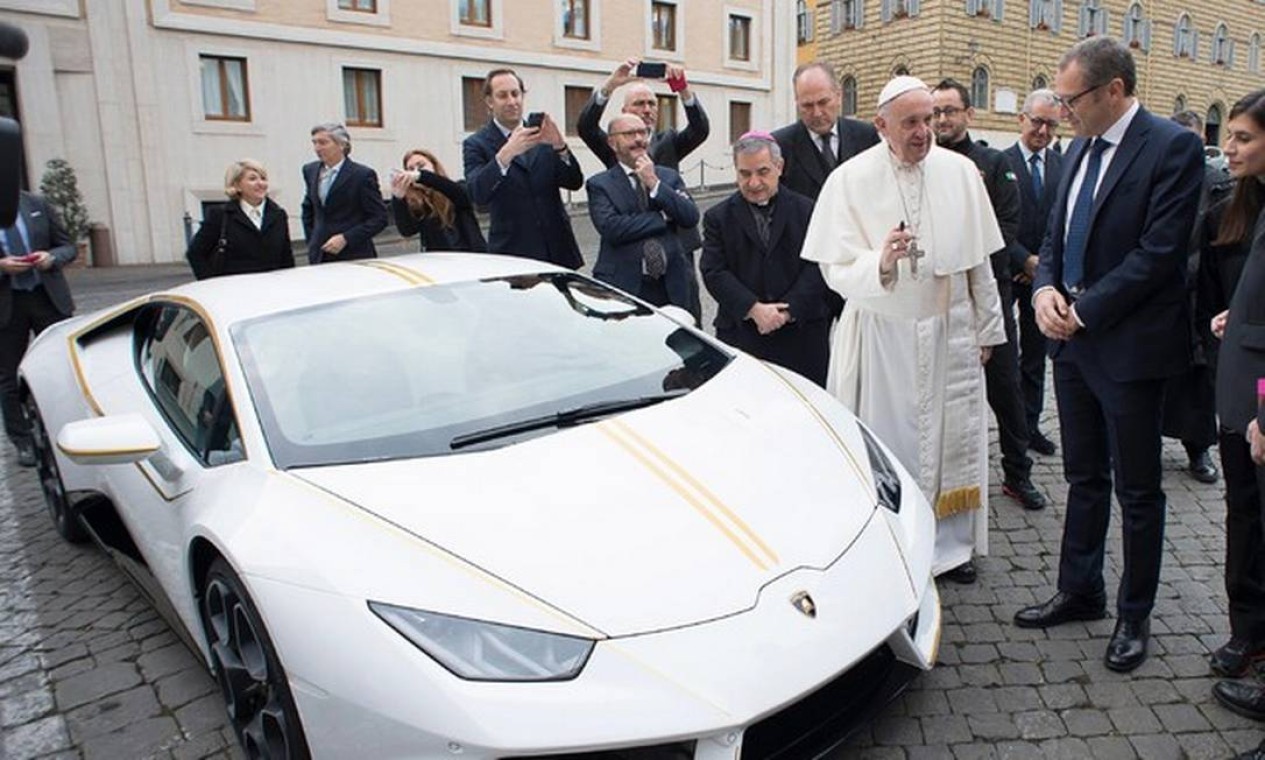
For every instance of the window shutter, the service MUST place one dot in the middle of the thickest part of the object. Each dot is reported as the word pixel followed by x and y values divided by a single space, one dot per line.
pixel 913 6
pixel 1057 26
pixel 1194 45
pixel 835 22
pixel 1104 22
pixel 885 13
pixel 1082 23
pixel 1146 35
pixel 860 13
pixel 999 8
pixel 1034 13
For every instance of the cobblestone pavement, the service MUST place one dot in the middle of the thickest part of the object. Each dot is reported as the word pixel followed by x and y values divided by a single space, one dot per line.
pixel 89 670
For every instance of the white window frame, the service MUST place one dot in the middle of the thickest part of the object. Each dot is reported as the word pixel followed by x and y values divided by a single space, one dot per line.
pixel 1092 19
pixel 753 40
pixel 895 9
pixel 1046 12
pixel 1222 52
pixel 1136 28
pixel 804 22
pixel 653 53
pixel 380 17
pixel 993 9
pixel 1254 53
pixel 261 95
pixel 1186 46
pixel 593 43
pixel 855 15
pixel 496 31
pixel 384 133
pixel 981 104
pixel 232 5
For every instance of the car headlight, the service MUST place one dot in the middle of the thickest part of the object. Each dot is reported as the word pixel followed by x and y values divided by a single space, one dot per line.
pixel 479 651
pixel 886 479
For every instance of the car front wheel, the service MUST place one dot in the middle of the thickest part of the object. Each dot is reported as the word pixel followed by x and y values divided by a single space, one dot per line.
pixel 59 507
pixel 252 681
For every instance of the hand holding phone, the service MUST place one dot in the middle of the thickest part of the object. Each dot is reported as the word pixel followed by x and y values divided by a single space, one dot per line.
pixel 534 119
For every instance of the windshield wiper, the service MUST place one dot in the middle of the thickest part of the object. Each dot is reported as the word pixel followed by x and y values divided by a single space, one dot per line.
pixel 562 419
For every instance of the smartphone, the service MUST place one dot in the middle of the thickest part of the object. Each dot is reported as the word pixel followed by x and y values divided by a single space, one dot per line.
pixel 534 119
pixel 648 70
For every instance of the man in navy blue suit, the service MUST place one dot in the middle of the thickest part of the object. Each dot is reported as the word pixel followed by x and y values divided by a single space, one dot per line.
pixel 343 207
pixel 1039 168
pixel 638 209
pixel 516 171
pixel 1110 295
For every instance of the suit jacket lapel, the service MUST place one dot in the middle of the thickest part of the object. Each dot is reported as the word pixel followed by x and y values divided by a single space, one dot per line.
pixel 810 156
pixel 1130 146
pixel 1072 161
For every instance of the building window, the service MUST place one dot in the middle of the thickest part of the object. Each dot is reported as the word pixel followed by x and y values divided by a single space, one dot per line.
pixel 987 8
pixel 849 96
pixel 1212 125
pixel 575 19
pixel 1222 47
pixel 739 120
pixel 474 111
pixel 1185 38
pixel 846 14
pixel 667 112
pixel 1046 15
pixel 663 26
pixel 363 6
pixel 362 97
pixel 1039 82
pixel 1179 104
pixel 803 22
pixel 225 94
pixel 574 100
pixel 1093 19
pixel 1254 53
pixel 979 88
pixel 894 9
pixel 739 38
pixel 1137 29
pixel 475 12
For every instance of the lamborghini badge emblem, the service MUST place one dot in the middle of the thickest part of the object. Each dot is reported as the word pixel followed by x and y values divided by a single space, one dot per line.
pixel 804 603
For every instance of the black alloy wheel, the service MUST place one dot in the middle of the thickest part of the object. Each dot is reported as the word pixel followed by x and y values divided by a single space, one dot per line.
pixel 59 508
pixel 252 681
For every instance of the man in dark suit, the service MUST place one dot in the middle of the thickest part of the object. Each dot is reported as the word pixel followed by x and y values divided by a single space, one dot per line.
pixel 1110 294
pixel 343 207
pixel 637 209
pixel 813 146
pixel 516 171
pixel 953 114
pixel 1039 170
pixel 33 295
pixel 1240 373
pixel 667 147
pixel 771 303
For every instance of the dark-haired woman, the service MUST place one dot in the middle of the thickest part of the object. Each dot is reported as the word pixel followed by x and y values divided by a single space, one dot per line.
pixel 1232 286
pixel 424 200
pixel 249 233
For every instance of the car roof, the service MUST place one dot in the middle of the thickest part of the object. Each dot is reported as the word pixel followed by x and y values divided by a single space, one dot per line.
pixel 240 297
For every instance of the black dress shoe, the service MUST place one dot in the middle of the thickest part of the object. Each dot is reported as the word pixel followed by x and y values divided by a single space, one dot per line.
pixel 1062 608
pixel 1247 698
pixel 1026 494
pixel 1040 444
pixel 26 451
pixel 1127 648
pixel 1202 469
pixel 1235 658
pixel 964 573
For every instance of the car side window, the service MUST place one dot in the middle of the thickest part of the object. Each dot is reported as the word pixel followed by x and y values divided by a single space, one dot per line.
pixel 176 356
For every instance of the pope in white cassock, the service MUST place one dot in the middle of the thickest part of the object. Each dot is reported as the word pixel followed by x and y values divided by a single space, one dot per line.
pixel 903 231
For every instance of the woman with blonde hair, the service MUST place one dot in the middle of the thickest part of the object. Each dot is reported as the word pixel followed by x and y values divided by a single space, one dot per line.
pixel 249 233
pixel 424 200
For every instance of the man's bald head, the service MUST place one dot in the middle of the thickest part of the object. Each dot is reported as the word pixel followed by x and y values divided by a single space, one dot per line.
pixel 640 101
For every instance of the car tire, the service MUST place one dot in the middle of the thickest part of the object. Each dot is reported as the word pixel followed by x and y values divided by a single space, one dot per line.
pixel 60 509
pixel 252 682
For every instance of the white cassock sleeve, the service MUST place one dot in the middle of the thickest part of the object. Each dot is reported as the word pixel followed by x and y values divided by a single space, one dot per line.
pixel 840 240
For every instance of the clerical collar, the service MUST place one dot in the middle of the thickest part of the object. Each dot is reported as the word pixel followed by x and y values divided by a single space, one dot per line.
pixel 767 205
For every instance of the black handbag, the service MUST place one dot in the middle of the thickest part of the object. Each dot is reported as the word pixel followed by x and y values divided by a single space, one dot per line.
pixel 221 246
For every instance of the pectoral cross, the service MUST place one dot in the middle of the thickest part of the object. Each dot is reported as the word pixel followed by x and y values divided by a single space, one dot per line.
pixel 914 253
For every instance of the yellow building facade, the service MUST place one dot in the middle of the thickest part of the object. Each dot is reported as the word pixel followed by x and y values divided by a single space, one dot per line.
pixel 1199 56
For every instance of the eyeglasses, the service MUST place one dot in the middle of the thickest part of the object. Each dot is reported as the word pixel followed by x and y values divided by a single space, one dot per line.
pixel 1069 103
pixel 949 111
pixel 643 132
pixel 1038 122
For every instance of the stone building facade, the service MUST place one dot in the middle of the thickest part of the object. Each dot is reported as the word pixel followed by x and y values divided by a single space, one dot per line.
pixel 1202 56
pixel 149 100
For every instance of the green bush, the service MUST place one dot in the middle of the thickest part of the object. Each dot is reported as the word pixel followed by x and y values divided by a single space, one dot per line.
pixel 61 190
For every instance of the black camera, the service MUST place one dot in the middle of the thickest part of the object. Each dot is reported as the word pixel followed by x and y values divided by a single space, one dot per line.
pixel 647 70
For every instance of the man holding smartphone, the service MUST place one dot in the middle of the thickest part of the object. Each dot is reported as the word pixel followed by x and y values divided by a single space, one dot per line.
pixel 667 148
pixel 33 295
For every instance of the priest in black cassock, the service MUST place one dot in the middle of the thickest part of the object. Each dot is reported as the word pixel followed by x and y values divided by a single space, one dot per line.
pixel 772 303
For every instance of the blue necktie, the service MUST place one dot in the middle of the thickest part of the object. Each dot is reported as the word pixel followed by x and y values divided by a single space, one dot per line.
pixel 1078 227
pixel 1037 182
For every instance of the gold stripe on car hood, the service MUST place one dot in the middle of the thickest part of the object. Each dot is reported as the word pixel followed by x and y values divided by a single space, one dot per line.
pixel 411 276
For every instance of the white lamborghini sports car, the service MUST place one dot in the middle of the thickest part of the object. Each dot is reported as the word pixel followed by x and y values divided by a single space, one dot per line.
pixel 473 506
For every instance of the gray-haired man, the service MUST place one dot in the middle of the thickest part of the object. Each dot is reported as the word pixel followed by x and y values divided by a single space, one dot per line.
pixel 343 208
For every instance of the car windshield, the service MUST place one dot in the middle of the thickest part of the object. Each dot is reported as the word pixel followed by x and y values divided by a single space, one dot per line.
pixel 451 368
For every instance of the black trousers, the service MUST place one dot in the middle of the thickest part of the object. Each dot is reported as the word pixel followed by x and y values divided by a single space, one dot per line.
pixel 1111 437
pixel 1001 381
pixel 1032 352
pixel 1244 537
pixel 32 312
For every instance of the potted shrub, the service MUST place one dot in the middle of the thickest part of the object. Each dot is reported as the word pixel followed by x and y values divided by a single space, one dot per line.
pixel 60 188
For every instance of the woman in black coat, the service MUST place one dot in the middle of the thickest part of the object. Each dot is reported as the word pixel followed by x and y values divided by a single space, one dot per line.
pixel 424 200
pixel 249 233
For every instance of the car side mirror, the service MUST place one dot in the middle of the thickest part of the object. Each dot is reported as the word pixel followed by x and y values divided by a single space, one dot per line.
pixel 118 439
